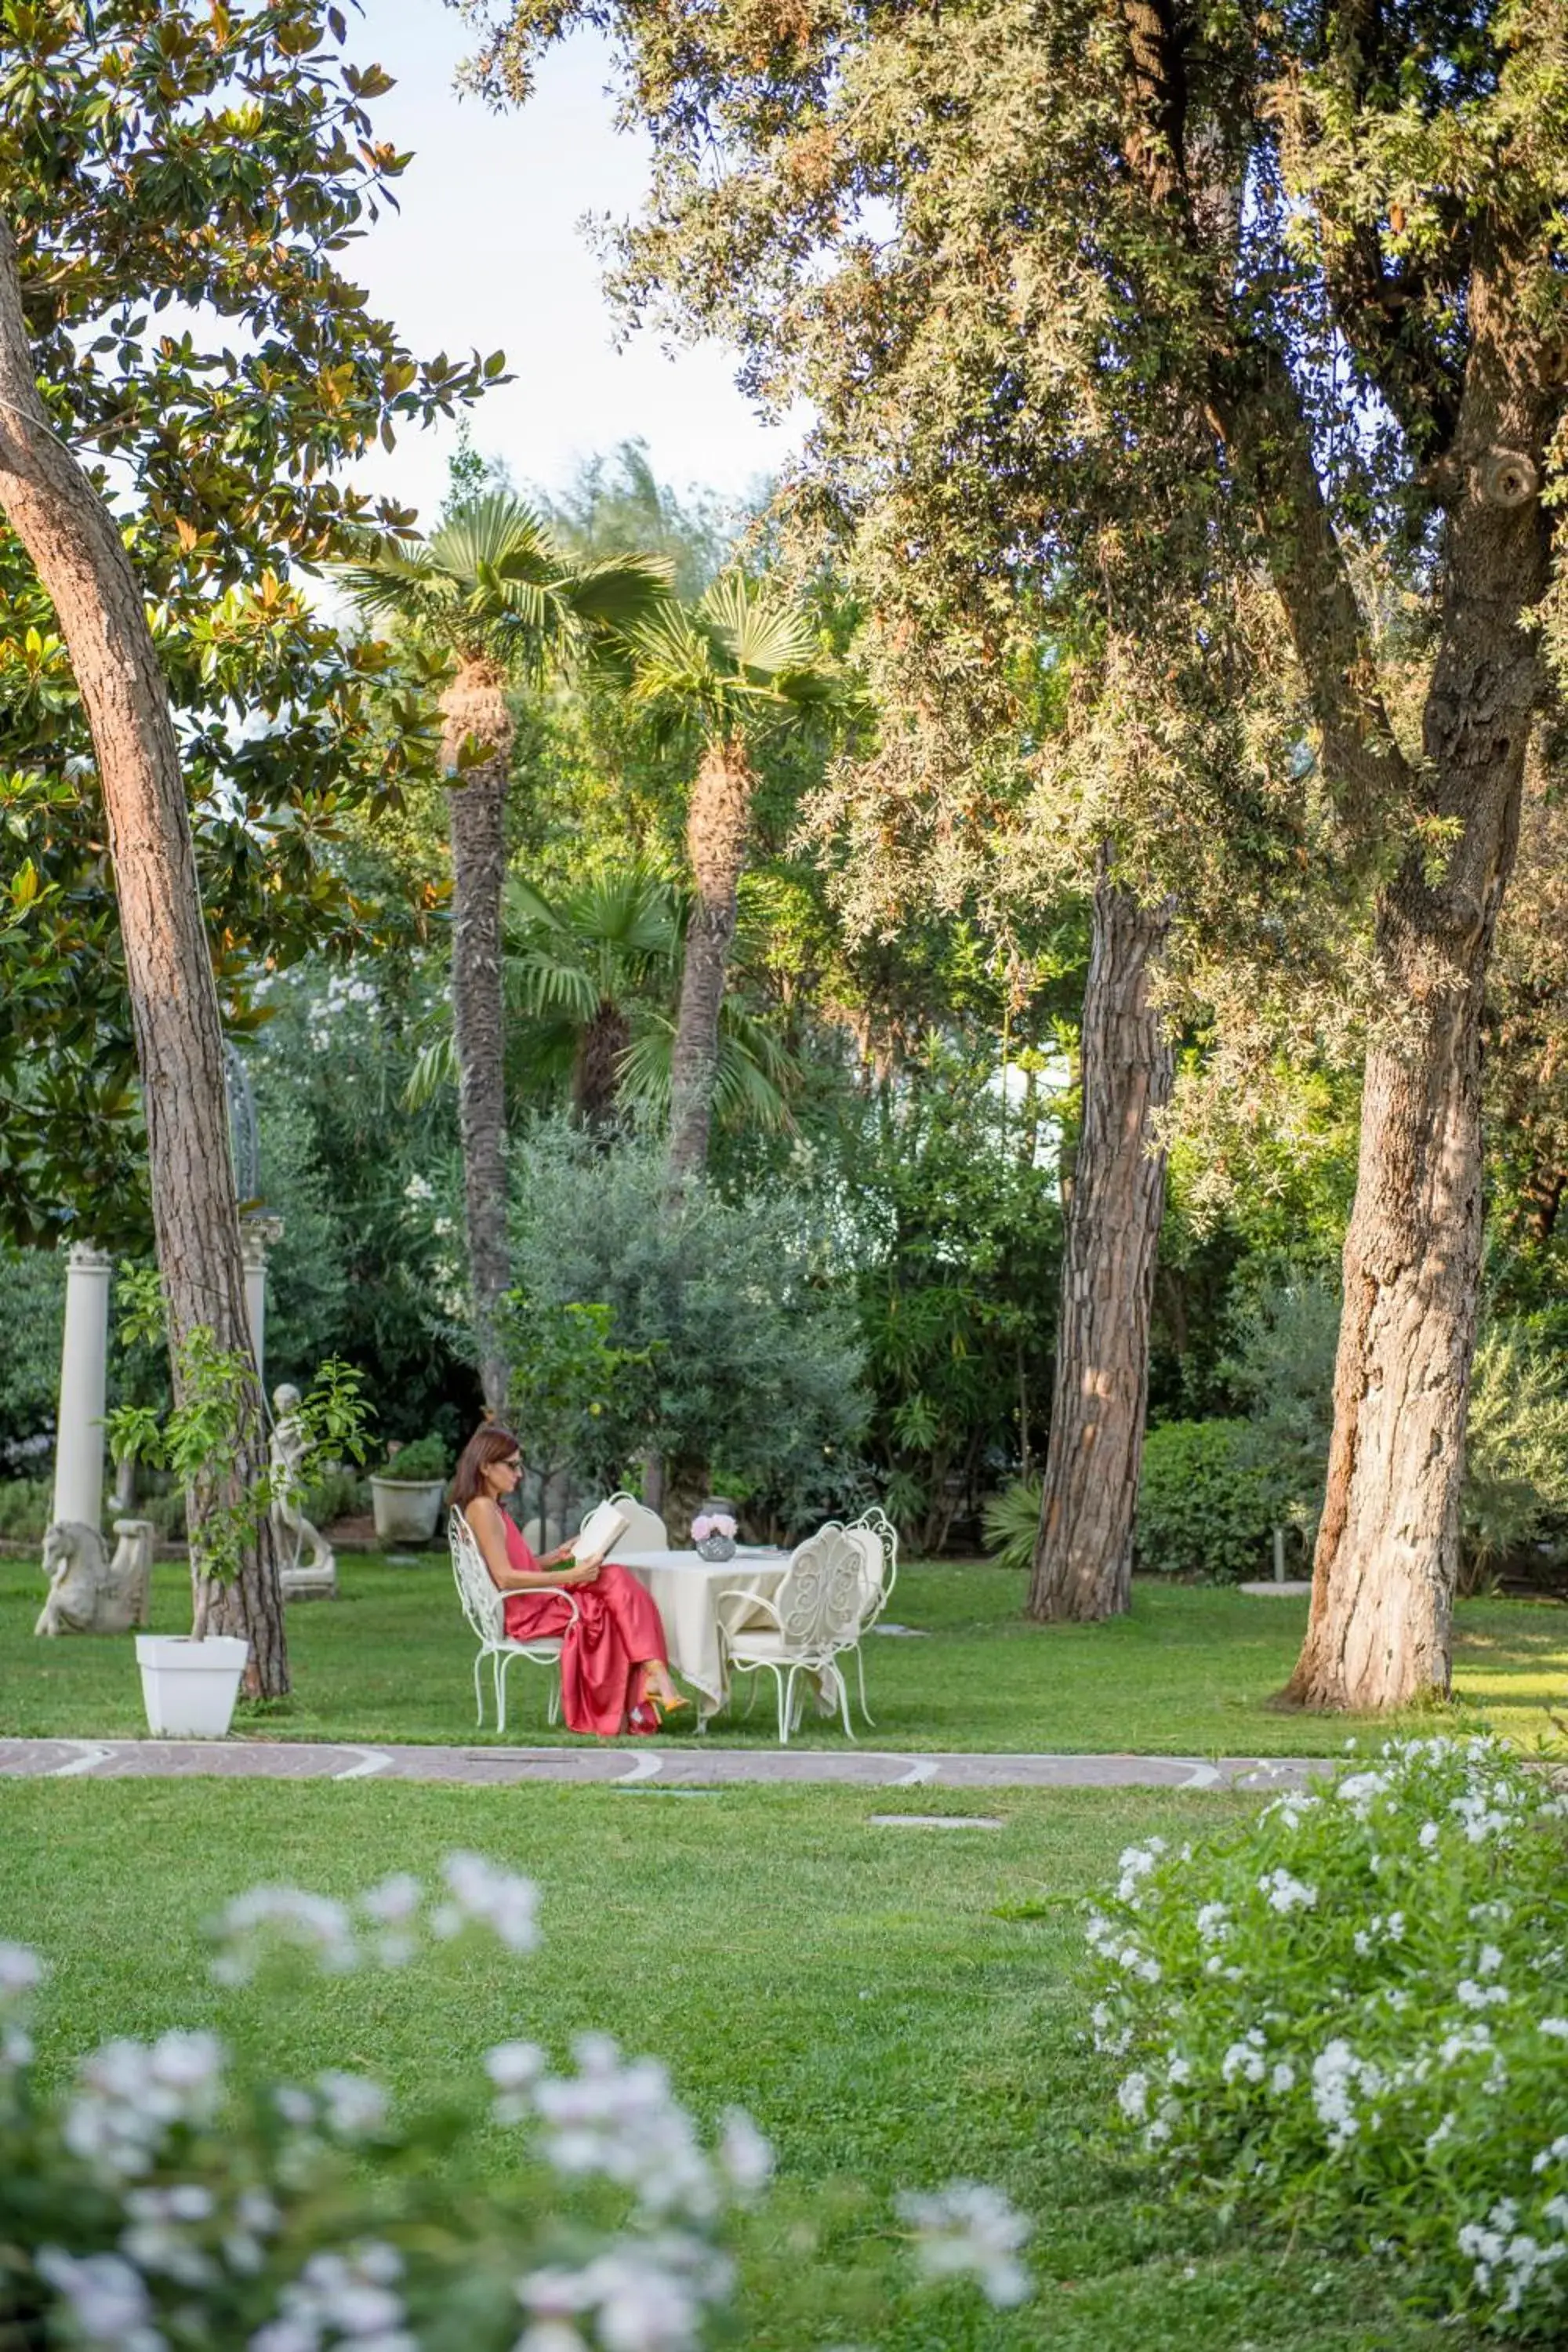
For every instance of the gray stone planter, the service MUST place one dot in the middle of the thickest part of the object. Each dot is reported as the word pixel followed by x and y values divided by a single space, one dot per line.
pixel 406 1510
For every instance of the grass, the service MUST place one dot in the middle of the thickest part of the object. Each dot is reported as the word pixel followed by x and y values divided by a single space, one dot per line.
pixel 1190 1672
pixel 896 2007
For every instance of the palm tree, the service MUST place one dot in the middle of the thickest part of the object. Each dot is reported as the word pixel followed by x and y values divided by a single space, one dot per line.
pixel 491 590
pixel 586 978
pixel 740 663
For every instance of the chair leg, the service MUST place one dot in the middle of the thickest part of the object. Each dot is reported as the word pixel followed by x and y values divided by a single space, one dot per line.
pixel 552 1711
pixel 843 1698
pixel 479 1688
pixel 860 1670
pixel 503 1660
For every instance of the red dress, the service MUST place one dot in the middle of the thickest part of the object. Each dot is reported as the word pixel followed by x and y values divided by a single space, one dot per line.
pixel 616 1630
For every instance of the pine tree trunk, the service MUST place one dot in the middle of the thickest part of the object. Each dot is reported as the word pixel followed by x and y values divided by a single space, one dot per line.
pixel 82 564
pixel 474 706
pixel 716 841
pixel 1083 1553
pixel 1388 1543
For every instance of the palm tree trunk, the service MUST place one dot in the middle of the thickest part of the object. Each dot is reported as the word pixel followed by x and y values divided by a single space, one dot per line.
pixel 596 1073
pixel 716 830
pixel 474 707
pixel 1083 1553
pixel 81 562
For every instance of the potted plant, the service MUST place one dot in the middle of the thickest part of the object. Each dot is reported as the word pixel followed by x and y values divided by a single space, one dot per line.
pixel 190 1681
pixel 406 1496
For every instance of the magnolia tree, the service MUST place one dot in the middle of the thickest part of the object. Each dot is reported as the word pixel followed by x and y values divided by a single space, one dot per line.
pixel 166 2197
pixel 160 156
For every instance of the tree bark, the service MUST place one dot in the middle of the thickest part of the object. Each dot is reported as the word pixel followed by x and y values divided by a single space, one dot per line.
pixel 716 830
pixel 79 558
pixel 596 1073
pixel 1083 1553
pixel 474 708
pixel 1388 1544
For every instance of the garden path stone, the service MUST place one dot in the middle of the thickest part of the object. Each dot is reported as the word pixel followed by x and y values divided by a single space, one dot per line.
pixel 637 1766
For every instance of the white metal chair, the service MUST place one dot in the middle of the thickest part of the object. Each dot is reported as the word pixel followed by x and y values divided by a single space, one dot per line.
pixel 646 1531
pixel 484 1606
pixel 877 1539
pixel 815 1613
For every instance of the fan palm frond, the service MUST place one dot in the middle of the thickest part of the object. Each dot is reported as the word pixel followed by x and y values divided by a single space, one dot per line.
pixel 434 1066
pixel 749 1087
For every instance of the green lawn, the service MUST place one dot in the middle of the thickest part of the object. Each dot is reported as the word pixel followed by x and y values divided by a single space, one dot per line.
pixel 896 2007
pixel 1191 1671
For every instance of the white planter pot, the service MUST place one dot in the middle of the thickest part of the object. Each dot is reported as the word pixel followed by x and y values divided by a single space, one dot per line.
pixel 406 1510
pixel 189 1687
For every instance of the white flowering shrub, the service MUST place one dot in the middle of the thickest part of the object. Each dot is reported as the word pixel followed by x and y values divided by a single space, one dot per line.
pixel 1353 2012
pixel 169 2200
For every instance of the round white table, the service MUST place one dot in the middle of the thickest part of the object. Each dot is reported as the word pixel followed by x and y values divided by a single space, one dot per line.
pixel 685 1589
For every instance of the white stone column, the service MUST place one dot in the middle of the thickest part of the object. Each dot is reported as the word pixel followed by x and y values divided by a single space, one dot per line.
pixel 84 1367
pixel 256 1236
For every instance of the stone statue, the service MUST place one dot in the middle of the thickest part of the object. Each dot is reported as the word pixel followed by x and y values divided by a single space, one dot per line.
pixel 290 1526
pixel 89 1595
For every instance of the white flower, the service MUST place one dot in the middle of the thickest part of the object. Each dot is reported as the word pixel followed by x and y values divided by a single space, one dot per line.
pixel 1137 1862
pixel 20 1971
pixel 1132 2096
pixel 969 2230
pixel 1283 2078
pixel 1555 2154
pixel 312 1924
pixel 746 2157
pixel 1213 1923
pixel 353 2107
pixel 622 2120
pixel 1361 1789
pixel 1479 1996
pixel 1555 2026
pixel 418 1188
pixel 109 2304
pixel 1488 1960
pixel 645 2296
pixel 351 2296
pixel 1287 1894
pixel 1337 2072
pixel 483 1895
pixel 1428 1837
pixel 514 2067
pixel 130 2094
pixel 1246 2058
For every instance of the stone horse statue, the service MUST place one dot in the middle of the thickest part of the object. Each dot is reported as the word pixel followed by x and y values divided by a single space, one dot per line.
pixel 87 1594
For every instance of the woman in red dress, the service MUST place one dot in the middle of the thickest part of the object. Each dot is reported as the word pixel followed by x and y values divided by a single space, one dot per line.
pixel 614 1675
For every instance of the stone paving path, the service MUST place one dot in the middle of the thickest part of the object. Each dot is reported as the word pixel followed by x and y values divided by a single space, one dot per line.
pixel 635 1766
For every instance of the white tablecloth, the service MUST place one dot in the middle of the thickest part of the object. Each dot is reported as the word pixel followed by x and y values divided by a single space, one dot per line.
pixel 686 1589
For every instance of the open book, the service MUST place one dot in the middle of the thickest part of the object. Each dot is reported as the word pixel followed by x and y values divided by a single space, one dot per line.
pixel 597 1533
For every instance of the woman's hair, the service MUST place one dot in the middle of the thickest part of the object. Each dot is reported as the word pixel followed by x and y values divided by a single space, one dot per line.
pixel 491 1444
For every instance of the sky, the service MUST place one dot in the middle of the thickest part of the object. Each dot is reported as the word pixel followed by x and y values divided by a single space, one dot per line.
pixel 487 250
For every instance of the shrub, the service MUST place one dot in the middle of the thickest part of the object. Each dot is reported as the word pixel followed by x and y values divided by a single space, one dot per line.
pixel 1281 1367
pixel 168 2200
pixel 1352 2014
pixel 1204 1509
pixel 422 1459
pixel 752 1361
pixel 1516 1446
pixel 1012 1523
pixel 24 1508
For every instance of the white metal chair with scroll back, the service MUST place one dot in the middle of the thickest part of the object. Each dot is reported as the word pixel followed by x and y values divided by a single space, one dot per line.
pixel 484 1606
pixel 817 1615
pixel 877 1539
pixel 646 1531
